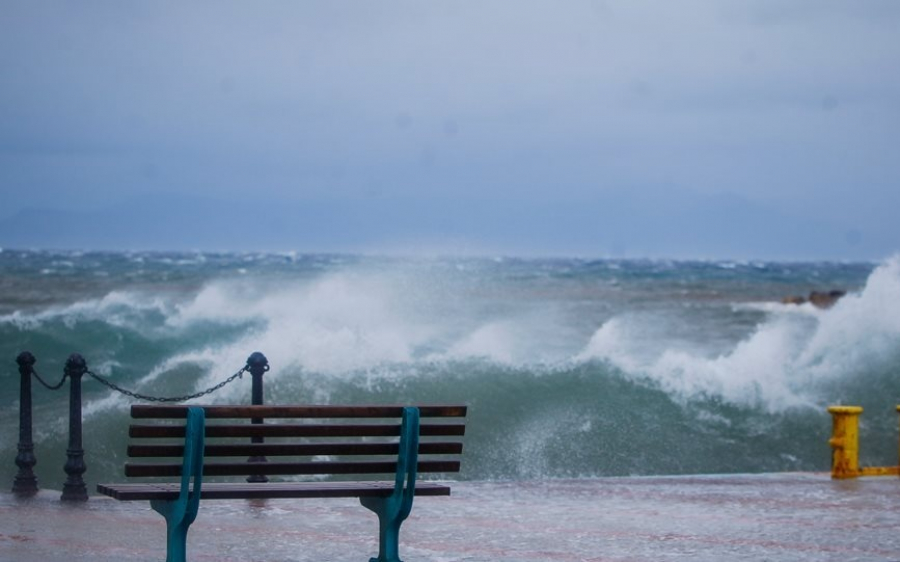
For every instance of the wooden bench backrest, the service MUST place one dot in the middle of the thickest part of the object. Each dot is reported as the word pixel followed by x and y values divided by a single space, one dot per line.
pixel 295 440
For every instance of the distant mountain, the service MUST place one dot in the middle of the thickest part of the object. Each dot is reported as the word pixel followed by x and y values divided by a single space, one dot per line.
pixel 662 222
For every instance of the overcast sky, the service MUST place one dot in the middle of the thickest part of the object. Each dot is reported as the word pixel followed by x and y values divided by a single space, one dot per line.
pixel 707 128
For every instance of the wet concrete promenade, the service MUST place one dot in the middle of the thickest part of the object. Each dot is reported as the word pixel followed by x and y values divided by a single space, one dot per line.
pixel 771 517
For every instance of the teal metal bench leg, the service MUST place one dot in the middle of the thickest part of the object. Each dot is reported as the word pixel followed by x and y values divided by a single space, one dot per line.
pixel 181 512
pixel 394 509
pixel 388 528
pixel 176 529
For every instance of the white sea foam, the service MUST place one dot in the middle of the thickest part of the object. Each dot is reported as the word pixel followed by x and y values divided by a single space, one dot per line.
pixel 121 309
pixel 356 323
pixel 112 401
pixel 517 341
pixel 495 341
pixel 333 325
pixel 369 321
pixel 785 359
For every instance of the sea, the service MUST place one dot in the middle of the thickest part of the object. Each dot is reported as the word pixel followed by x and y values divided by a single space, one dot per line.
pixel 571 368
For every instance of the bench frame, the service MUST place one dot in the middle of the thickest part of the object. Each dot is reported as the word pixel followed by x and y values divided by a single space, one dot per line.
pixel 179 502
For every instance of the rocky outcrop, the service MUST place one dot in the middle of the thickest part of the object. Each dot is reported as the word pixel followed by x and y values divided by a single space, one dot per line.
pixel 820 299
pixel 825 300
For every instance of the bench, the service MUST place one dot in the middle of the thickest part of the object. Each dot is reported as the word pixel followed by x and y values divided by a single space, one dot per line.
pixel 373 453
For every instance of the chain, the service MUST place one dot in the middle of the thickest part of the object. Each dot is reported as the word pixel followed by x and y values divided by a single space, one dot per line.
pixel 51 387
pixel 212 389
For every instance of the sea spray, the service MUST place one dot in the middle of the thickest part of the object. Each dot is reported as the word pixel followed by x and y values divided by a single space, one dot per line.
pixel 570 367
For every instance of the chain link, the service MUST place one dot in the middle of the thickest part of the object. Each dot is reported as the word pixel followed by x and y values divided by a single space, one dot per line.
pixel 43 382
pixel 209 390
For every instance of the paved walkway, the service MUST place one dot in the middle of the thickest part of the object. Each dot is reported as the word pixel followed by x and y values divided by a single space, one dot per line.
pixel 706 518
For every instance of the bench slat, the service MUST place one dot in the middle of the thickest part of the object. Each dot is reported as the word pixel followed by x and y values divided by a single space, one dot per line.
pixel 296 430
pixel 315 411
pixel 228 490
pixel 283 468
pixel 294 449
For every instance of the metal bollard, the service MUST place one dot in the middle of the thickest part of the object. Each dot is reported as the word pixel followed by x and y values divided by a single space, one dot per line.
pixel 74 489
pixel 258 365
pixel 25 483
pixel 845 441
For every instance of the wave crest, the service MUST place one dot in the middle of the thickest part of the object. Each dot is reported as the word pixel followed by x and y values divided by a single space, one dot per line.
pixel 787 359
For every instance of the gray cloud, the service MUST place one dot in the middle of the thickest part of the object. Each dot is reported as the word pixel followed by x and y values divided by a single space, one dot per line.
pixel 790 106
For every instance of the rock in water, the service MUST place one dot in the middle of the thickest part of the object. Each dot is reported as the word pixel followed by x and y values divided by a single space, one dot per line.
pixel 825 300
pixel 819 299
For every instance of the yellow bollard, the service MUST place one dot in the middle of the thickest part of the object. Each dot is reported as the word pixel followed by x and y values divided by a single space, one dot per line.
pixel 845 441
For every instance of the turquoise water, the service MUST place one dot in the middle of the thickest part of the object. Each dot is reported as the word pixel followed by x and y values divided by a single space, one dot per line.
pixel 571 368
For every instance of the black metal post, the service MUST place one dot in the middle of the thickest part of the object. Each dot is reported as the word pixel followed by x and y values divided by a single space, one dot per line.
pixel 25 483
pixel 74 488
pixel 257 364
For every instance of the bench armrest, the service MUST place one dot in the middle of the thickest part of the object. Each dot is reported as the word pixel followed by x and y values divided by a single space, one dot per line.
pixel 407 461
pixel 183 510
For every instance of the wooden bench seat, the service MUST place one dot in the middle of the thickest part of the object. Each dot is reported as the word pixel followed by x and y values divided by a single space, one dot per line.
pixel 317 452
pixel 236 491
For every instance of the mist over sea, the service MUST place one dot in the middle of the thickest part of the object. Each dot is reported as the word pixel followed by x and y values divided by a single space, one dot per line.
pixel 571 367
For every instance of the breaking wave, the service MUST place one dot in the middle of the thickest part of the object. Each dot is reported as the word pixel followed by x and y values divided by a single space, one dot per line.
pixel 570 368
